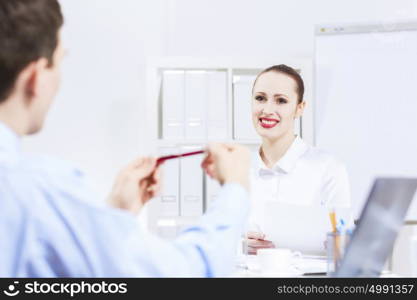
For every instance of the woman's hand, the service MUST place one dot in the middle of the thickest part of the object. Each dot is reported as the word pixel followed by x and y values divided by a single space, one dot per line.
pixel 255 241
pixel 136 184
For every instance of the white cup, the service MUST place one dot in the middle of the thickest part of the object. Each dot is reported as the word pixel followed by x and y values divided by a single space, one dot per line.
pixel 278 261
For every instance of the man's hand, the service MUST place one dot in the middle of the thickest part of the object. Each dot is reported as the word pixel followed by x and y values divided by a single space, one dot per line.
pixel 255 241
pixel 228 163
pixel 136 184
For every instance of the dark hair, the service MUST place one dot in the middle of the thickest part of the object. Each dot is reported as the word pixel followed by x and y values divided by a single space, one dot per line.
pixel 28 31
pixel 284 69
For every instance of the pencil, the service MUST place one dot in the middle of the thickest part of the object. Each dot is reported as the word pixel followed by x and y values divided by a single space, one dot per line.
pixel 164 158
pixel 336 245
pixel 332 215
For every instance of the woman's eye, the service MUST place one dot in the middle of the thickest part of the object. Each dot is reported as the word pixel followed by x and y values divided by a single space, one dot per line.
pixel 282 100
pixel 259 98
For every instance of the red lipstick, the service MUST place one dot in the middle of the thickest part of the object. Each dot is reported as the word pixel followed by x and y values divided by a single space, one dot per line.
pixel 270 123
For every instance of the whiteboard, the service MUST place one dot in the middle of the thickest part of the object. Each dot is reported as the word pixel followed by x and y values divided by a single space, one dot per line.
pixel 366 102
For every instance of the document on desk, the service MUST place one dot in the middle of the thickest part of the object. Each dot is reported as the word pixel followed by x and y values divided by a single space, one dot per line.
pixel 307 265
pixel 312 264
pixel 297 227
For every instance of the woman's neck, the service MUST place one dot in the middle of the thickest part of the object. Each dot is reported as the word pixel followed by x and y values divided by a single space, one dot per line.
pixel 273 150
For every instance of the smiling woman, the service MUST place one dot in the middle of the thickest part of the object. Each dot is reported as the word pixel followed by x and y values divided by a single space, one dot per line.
pixel 285 169
pixel 277 101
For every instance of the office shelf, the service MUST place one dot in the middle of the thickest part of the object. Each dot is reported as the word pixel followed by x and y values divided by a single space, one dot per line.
pixel 237 71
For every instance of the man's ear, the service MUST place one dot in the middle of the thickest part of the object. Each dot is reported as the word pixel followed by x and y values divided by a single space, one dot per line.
pixel 30 79
pixel 300 109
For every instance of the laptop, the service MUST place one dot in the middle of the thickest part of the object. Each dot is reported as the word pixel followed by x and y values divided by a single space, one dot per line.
pixel 381 219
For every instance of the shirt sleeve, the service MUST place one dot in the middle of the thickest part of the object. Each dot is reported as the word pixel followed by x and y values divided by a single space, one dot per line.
pixel 64 236
pixel 54 229
pixel 205 250
pixel 336 190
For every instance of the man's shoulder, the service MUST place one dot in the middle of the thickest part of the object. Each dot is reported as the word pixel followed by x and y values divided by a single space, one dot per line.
pixel 40 182
pixel 32 174
pixel 48 165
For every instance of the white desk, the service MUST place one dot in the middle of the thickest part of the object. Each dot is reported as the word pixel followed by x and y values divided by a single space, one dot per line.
pixel 308 266
pixel 248 266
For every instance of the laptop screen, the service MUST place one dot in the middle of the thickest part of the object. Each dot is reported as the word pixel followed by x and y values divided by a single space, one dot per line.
pixel 378 226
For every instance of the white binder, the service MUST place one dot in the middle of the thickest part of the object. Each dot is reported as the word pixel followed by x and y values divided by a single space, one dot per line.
pixel 170 190
pixel 173 105
pixel 242 108
pixel 191 204
pixel 212 191
pixel 217 107
pixel 195 104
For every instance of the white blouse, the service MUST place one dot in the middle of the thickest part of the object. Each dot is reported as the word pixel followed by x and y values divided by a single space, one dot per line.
pixel 304 176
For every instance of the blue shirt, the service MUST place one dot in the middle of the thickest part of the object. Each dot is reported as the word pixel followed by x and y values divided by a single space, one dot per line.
pixel 49 228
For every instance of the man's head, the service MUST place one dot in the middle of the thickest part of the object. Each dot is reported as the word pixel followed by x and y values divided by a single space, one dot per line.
pixel 30 56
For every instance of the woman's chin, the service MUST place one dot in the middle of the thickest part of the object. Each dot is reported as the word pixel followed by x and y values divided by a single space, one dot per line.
pixel 268 134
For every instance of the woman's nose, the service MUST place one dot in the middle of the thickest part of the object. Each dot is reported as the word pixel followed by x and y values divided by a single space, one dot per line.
pixel 268 107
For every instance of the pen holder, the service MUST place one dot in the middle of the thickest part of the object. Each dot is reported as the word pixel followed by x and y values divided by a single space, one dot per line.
pixel 336 244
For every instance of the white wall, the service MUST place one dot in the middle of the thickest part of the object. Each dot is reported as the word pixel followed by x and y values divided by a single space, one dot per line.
pixel 267 27
pixel 99 118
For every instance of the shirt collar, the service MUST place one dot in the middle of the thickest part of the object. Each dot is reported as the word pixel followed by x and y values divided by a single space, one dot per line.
pixel 287 163
pixel 9 140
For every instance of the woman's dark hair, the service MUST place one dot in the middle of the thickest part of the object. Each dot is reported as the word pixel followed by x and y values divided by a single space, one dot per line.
pixel 284 69
pixel 28 31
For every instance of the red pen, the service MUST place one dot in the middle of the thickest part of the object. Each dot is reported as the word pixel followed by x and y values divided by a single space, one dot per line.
pixel 161 159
